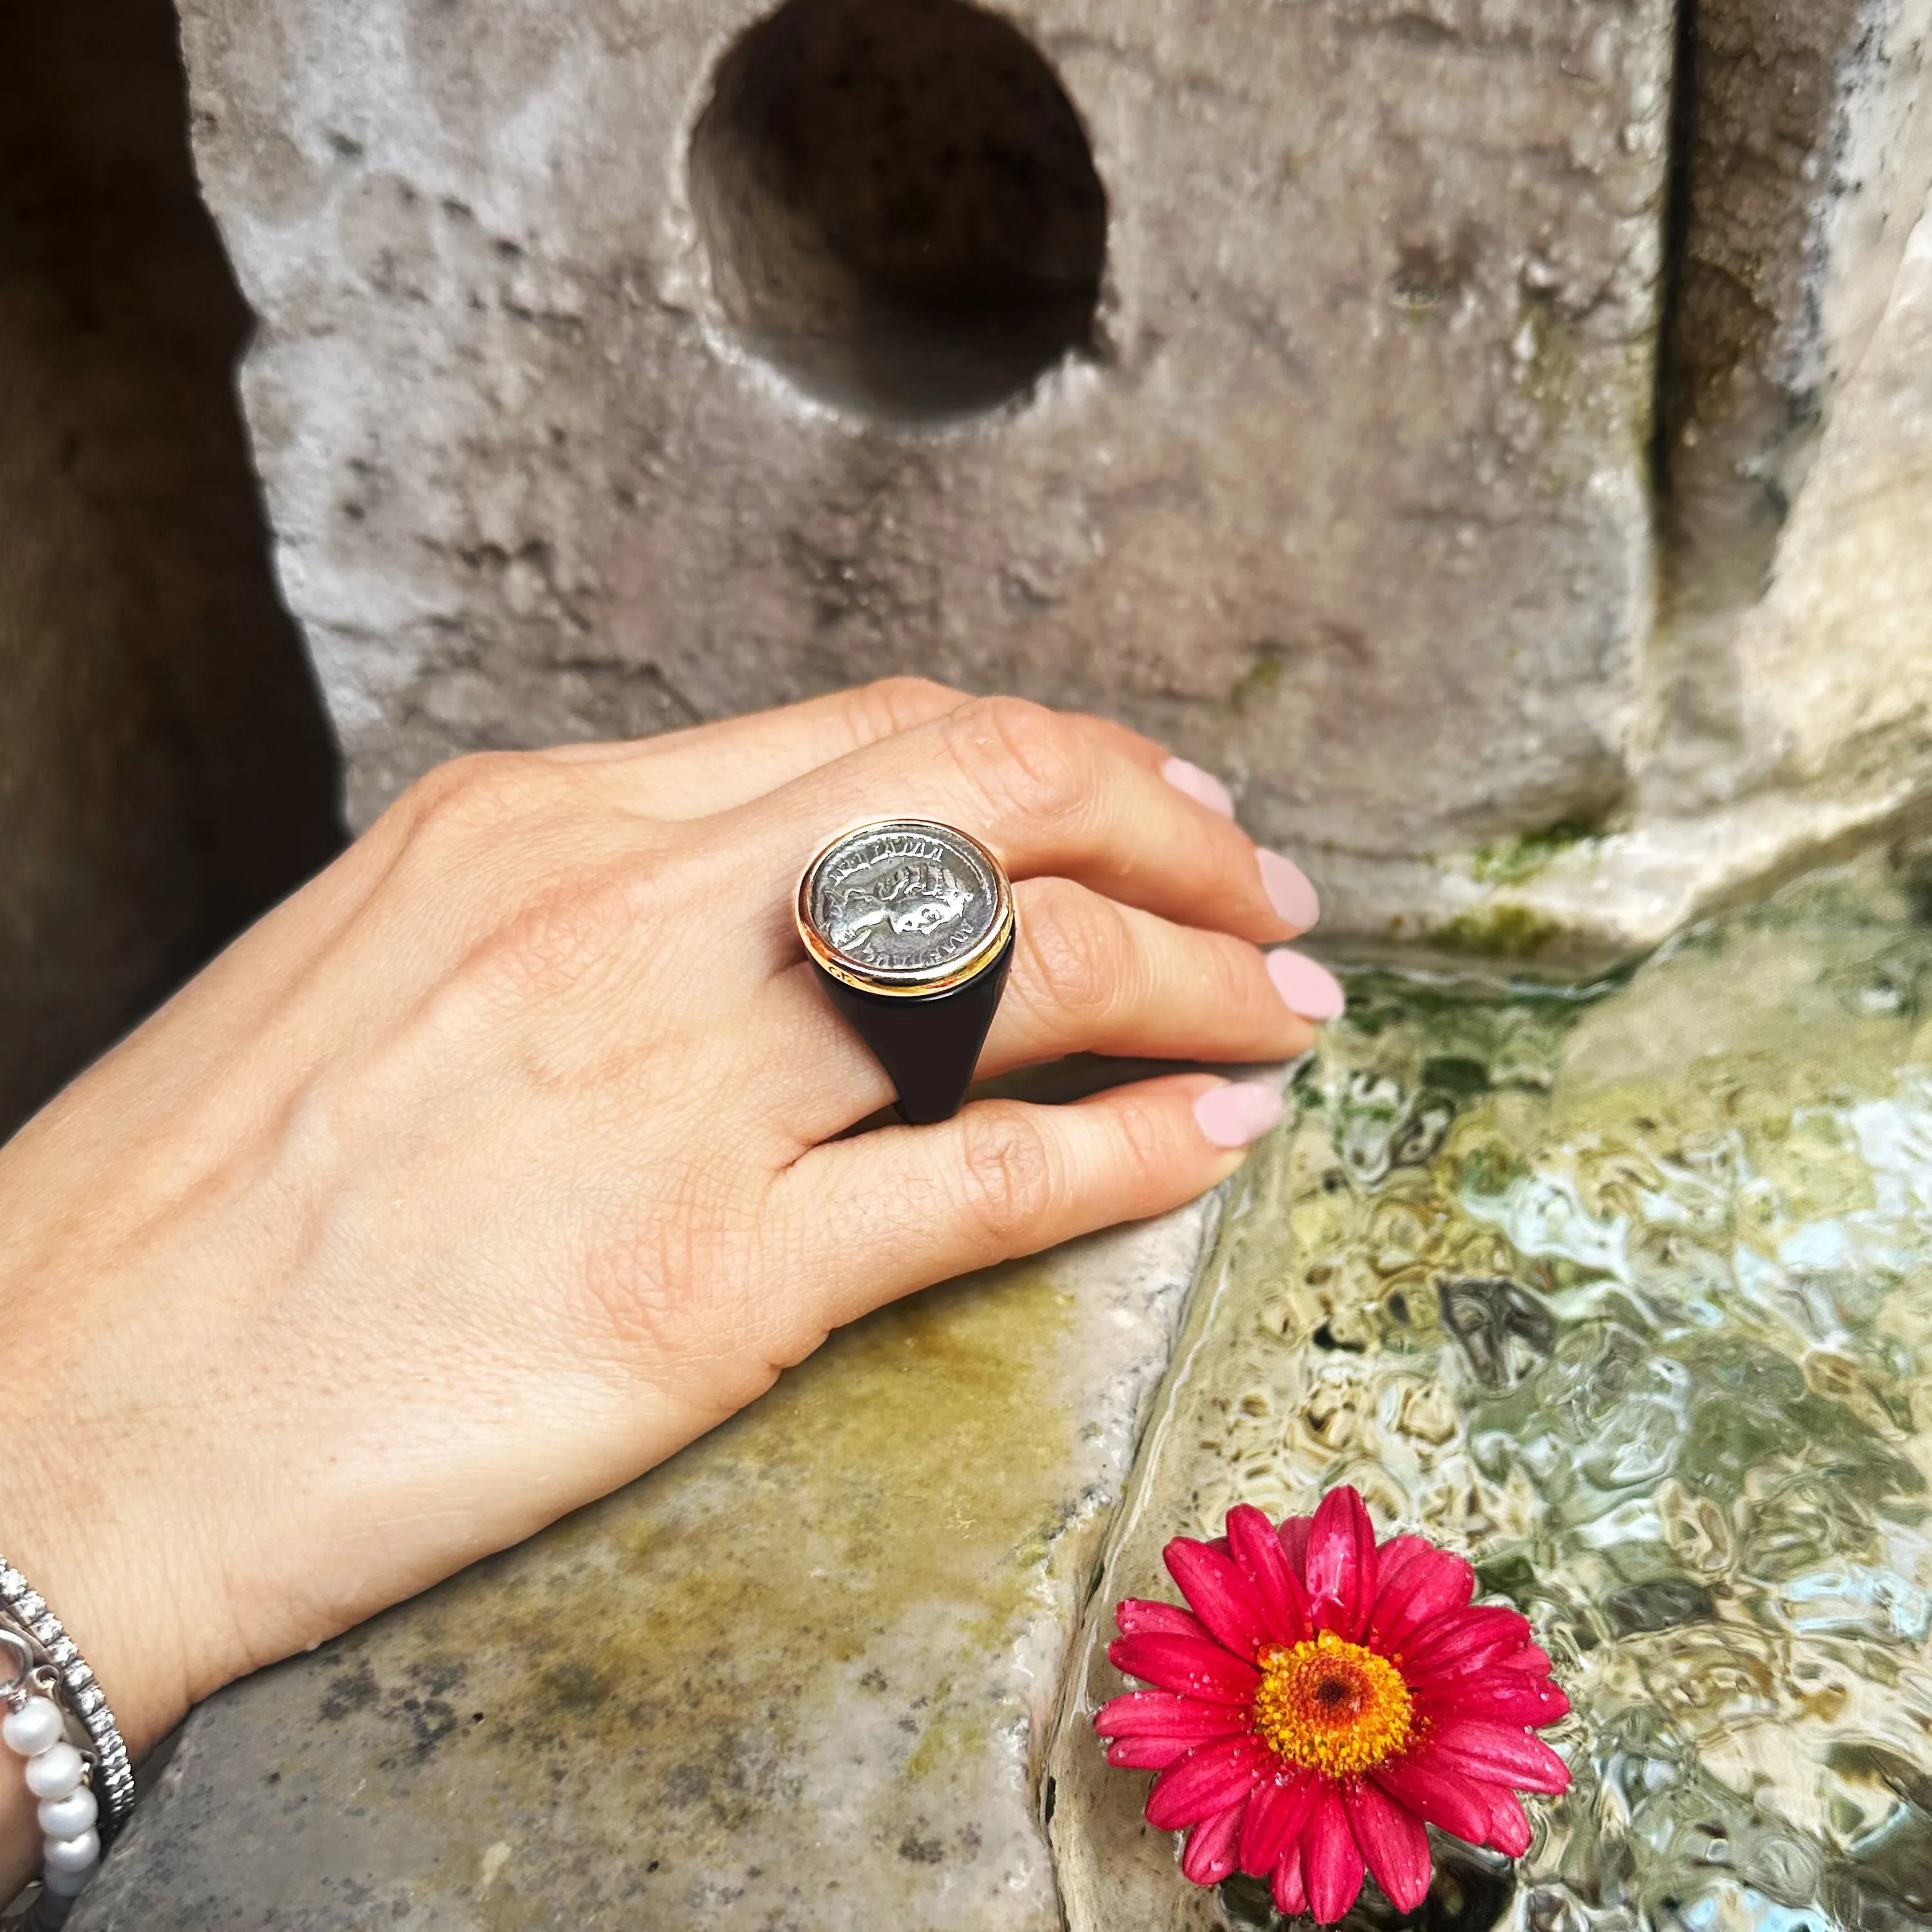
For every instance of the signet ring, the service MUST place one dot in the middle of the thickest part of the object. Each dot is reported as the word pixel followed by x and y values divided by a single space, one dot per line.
pixel 909 924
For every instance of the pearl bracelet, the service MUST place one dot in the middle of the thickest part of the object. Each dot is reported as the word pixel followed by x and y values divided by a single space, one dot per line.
pixel 84 1781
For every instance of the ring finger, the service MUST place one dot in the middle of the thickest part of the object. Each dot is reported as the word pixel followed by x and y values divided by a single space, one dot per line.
pixel 1089 975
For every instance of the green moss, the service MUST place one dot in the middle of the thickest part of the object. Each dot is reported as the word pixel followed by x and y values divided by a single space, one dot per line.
pixel 1456 1074
pixel 1498 932
pixel 1511 861
pixel 1590 396
pixel 1257 683
pixel 894 1498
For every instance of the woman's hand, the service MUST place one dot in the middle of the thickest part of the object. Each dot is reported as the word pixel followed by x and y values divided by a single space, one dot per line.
pixel 503 1159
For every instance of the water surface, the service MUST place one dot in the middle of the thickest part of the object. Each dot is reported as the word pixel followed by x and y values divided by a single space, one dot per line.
pixel 1626 1292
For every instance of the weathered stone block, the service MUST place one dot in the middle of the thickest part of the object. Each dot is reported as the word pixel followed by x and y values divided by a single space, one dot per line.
pixel 615 368
pixel 1282 382
pixel 1793 401
pixel 1792 678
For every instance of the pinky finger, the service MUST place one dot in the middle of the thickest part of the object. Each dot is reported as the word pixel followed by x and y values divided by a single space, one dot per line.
pixel 1004 1177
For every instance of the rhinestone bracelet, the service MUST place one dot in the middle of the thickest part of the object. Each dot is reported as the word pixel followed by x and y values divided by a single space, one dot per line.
pixel 57 1719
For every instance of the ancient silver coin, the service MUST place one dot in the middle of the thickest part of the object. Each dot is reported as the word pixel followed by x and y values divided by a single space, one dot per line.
pixel 908 896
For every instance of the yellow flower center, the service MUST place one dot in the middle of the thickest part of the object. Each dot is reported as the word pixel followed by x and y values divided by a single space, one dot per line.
pixel 1333 1705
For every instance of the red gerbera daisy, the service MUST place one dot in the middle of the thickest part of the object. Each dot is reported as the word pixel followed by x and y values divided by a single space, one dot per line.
pixel 1324 1701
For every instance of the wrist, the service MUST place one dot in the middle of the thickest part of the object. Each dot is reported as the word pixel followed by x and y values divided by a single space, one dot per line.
pixel 59 1723
pixel 119 1675
pixel 89 1524
pixel 104 1496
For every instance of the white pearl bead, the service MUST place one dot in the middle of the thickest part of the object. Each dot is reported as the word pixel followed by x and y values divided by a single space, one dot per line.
pixel 73 1855
pixel 54 1772
pixel 66 1884
pixel 67 1817
pixel 35 1725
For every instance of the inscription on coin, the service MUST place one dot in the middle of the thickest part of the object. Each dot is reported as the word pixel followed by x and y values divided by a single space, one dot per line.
pixel 905 897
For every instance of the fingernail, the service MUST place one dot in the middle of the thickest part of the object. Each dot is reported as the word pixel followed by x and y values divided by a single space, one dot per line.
pixel 1204 788
pixel 1238 1114
pixel 1311 991
pixel 1289 891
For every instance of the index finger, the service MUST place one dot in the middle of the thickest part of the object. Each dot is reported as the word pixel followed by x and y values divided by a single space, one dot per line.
pixel 710 768
pixel 1052 798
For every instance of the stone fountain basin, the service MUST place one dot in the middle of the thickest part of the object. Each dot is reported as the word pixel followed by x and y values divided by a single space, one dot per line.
pixel 1625 1290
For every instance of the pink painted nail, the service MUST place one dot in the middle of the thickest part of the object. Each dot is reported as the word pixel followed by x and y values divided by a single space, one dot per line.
pixel 1289 891
pixel 1238 1114
pixel 1204 788
pixel 1311 991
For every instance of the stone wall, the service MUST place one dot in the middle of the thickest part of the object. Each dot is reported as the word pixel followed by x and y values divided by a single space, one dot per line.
pixel 591 393
pixel 1283 381
pixel 1287 382
pixel 1789 665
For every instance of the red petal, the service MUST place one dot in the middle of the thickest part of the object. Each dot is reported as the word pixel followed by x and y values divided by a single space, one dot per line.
pixel 1509 1824
pixel 1148 1753
pixel 1330 1858
pixel 1431 1584
pixel 1339 1567
pixel 1528 1658
pixel 1293 1537
pixel 1393 1840
pixel 1258 1550
pixel 1277 1813
pixel 1160 1714
pixel 1443 1798
pixel 1500 1697
pixel 1208 1780
pixel 1396 1556
pixel 1139 1616
pixel 1191 1665
pixel 1497 1754
pixel 1210 1855
pixel 1445 1681
pixel 1218 1591
pixel 1461 1641
pixel 1290 1894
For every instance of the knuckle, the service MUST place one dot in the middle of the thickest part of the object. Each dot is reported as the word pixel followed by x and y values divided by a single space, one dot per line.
pixel 890 705
pixel 1032 761
pixel 656 1288
pixel 1233 979
pixel 578 932
pixel 635 1285
pixel 1144 1135
pixel 1076 951
pixel 630 1300
pixel 1007 1176
pixel 481 792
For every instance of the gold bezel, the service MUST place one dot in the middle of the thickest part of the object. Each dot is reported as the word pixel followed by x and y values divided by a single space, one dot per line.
pixel 923 982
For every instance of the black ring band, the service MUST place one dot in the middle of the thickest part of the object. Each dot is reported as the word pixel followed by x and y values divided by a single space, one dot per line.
pixel 928 1047
pixel 909 924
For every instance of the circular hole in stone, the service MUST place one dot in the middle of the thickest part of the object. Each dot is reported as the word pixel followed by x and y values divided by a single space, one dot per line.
pixel 900 205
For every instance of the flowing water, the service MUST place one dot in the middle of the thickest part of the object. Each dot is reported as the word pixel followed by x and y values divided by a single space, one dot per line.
pixel 1626 1292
